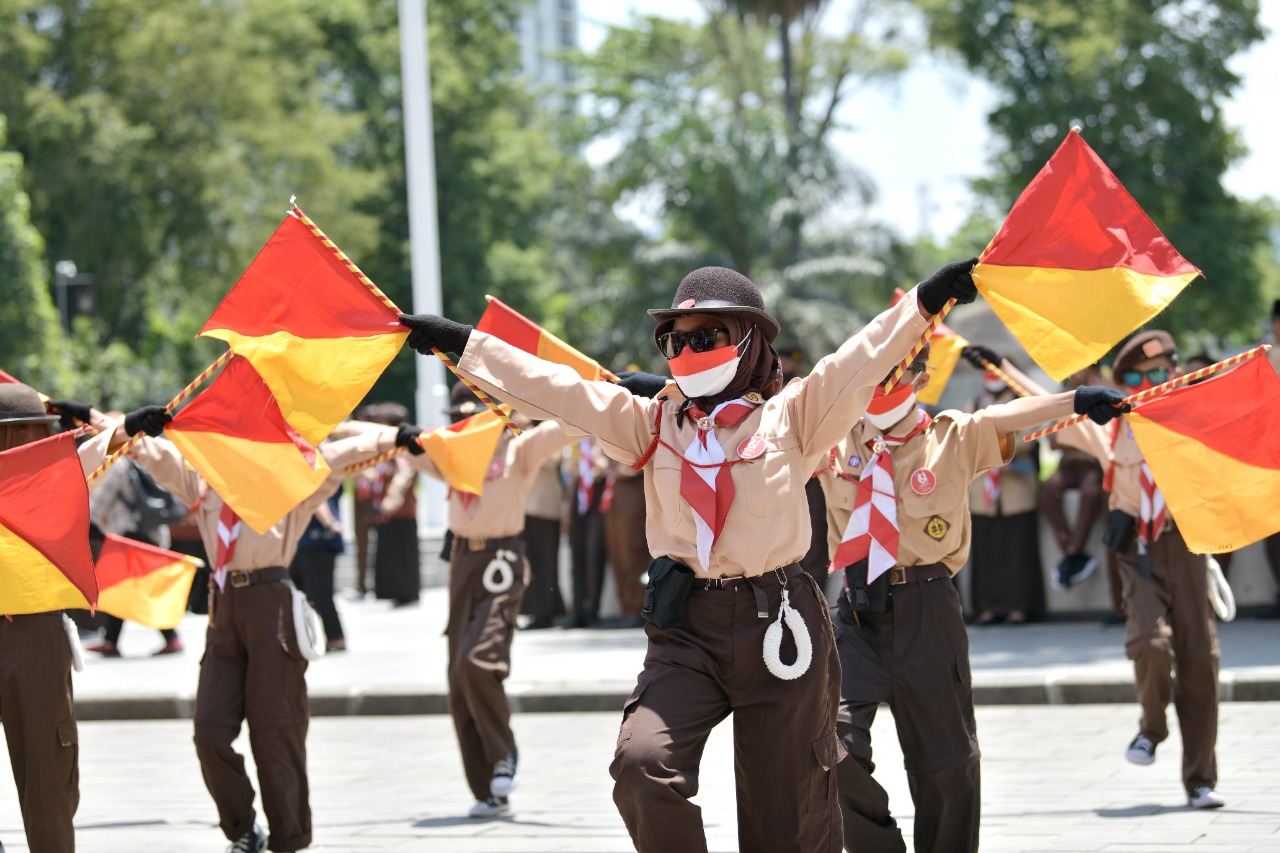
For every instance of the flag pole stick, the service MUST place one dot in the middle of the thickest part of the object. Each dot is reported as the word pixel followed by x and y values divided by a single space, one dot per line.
pixel 173 405
pixel 369 463
pixel 604 371
pixel 1144 396
pixel 1008 380
pixel 915 351
pixel 294 210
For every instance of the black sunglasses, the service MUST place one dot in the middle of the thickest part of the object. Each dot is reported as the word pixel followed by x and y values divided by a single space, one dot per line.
pixel 700 339
pixel 1133 378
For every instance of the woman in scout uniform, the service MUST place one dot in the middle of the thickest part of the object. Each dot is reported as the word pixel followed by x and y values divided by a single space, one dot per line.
pixel 487 576
pixel 35 658
pixel 252 668
pixel 1169 626
pixel 725 457
pixel 898 517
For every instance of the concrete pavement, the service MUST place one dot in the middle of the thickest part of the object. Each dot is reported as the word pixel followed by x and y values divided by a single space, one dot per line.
pixel 1054 781
pixel 397 661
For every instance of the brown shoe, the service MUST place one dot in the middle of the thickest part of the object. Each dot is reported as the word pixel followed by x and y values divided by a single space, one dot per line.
pixel 107 650
pixel 172 647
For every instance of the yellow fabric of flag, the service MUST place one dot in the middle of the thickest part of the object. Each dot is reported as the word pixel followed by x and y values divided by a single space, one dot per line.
pixel 143 583
pixel 462 451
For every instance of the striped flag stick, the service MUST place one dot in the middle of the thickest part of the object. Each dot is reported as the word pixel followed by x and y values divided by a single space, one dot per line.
pixel 915 351
pixel 1008 380
pixel 1143 396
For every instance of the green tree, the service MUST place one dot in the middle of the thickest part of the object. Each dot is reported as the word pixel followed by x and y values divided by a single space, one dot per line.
pixel 1146 80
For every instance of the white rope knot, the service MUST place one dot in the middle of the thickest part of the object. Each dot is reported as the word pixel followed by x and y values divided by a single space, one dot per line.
pixel 773 642
pixel 1221 598
pixel 498 575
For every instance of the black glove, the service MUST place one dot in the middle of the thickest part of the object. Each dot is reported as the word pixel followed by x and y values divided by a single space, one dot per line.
pixel 641 384
pixel 1100 404
pixel 407 437
pixel 430 331
pixel 975 353
pixel 69 411
pixel 148 419
pixel 954 281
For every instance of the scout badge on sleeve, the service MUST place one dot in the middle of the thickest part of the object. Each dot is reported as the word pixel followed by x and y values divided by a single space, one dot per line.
pixel 498 575
pixel 773 642
pixel 73 640
pixel 307 625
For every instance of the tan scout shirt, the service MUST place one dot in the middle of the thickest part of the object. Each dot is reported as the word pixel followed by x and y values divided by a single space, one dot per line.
pixel 94 451
pixel 253 551
pixel 768 524
pixel 934 527
pixel 500 510
pixel 1126 492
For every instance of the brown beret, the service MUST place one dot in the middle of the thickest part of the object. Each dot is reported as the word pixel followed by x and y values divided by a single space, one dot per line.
pixel 1150 344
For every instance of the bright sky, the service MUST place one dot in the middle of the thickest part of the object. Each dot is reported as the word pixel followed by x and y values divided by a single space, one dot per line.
pixel 924 137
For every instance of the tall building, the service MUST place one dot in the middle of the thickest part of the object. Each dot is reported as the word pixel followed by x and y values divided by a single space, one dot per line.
pixel 547 29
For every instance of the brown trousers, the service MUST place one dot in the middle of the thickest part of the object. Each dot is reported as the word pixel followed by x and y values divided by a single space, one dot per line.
pixel 481 626
pixel 915 658
pixel 626 543
pixel 1169 629
pixel 252 670
pixel 785 747
pixel 40 726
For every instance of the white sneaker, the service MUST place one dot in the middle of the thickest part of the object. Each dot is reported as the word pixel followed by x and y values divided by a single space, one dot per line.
pixel 1141 750
pixel 492 807
pixel 505 774
pixel 1205 797
pixel 253 841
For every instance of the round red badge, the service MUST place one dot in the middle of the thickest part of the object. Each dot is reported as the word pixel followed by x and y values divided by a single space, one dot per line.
pixel 923 481
pixel 750 448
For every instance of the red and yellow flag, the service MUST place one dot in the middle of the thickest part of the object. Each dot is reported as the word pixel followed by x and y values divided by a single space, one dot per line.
pixel 45 563
pixel 234 435
pixel 143 583
pixel 463 451
pixel 944 353
pixel 504 322
pixel 1077 265
pixel 7 379
pixel 316 335
pixel 1213 452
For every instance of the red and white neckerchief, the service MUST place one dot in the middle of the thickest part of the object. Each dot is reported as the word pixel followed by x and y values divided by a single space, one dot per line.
pixel 586 475
pixel 606 495
pixel 1151 515
pixel 496 469
pixel 228 535
pixel 991 487
pixel 872 531
pixel 705 482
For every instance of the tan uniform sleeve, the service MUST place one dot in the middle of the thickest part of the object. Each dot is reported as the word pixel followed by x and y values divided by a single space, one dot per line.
pixel 1089 438
pixel 95 451
pixel 973 442
pixel 547 391
pixel 537 445
pixel 362 444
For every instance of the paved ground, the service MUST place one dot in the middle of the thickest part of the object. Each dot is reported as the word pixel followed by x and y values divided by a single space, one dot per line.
pixel 1054 781
pixel 397 660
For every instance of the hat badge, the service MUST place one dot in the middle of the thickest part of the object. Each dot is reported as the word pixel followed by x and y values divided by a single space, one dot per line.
pixel 688 303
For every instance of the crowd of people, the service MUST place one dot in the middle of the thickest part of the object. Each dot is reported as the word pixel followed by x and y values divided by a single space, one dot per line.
pixel 724 497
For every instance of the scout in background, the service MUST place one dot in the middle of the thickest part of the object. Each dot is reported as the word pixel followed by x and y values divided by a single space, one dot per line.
pixel 896 490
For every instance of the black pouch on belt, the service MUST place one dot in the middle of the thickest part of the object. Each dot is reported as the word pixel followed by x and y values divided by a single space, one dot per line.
pixel 866 597
pixel 446 546
pixel 667 593
pixel 1120 528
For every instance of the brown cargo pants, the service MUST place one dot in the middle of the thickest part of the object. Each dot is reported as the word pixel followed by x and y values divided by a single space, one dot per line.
pixel 1171 638
pixel 481 627
pixel 252 670
pixel 915 658
pixel 785 747
pixel 40 726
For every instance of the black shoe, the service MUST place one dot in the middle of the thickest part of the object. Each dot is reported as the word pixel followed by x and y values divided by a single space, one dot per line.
pixel 1073 569
pixel 253 841
pixel 505 775
pixel 539 623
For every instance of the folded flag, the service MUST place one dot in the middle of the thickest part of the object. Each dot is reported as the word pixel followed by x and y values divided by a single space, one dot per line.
pixel 944 353
pixel 507 324
pixel 45 562
pixel 1077 264
pixel 1212 452
pixel 143 583
pixel 317 335
pixel 463 451
pixel 235 436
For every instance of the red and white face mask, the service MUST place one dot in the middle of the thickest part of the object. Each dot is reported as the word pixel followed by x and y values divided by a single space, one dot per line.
pixel 885 410
pixel 704 374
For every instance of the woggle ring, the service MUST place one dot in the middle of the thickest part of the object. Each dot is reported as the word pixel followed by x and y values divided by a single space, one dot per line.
pixel 773 643
pixel 498 575
pixel 1221 598
pixel 73 640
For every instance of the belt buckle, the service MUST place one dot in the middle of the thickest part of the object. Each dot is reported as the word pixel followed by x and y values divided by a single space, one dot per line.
pixel 475 544
pixel 897 575
pixel 239 579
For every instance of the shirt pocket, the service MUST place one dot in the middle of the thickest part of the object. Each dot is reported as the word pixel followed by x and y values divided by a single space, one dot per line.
pixel 773 482
pixel 666 483
pixel 941 501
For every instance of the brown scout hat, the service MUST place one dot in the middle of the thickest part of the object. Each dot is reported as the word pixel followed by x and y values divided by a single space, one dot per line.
pixel 20 404
pixel 463 402
pixel 1150 344
pixel 719 290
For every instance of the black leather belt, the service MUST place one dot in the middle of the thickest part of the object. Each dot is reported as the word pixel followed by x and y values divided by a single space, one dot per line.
pixel 916 574
pixel 490 544
pixel 238 578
